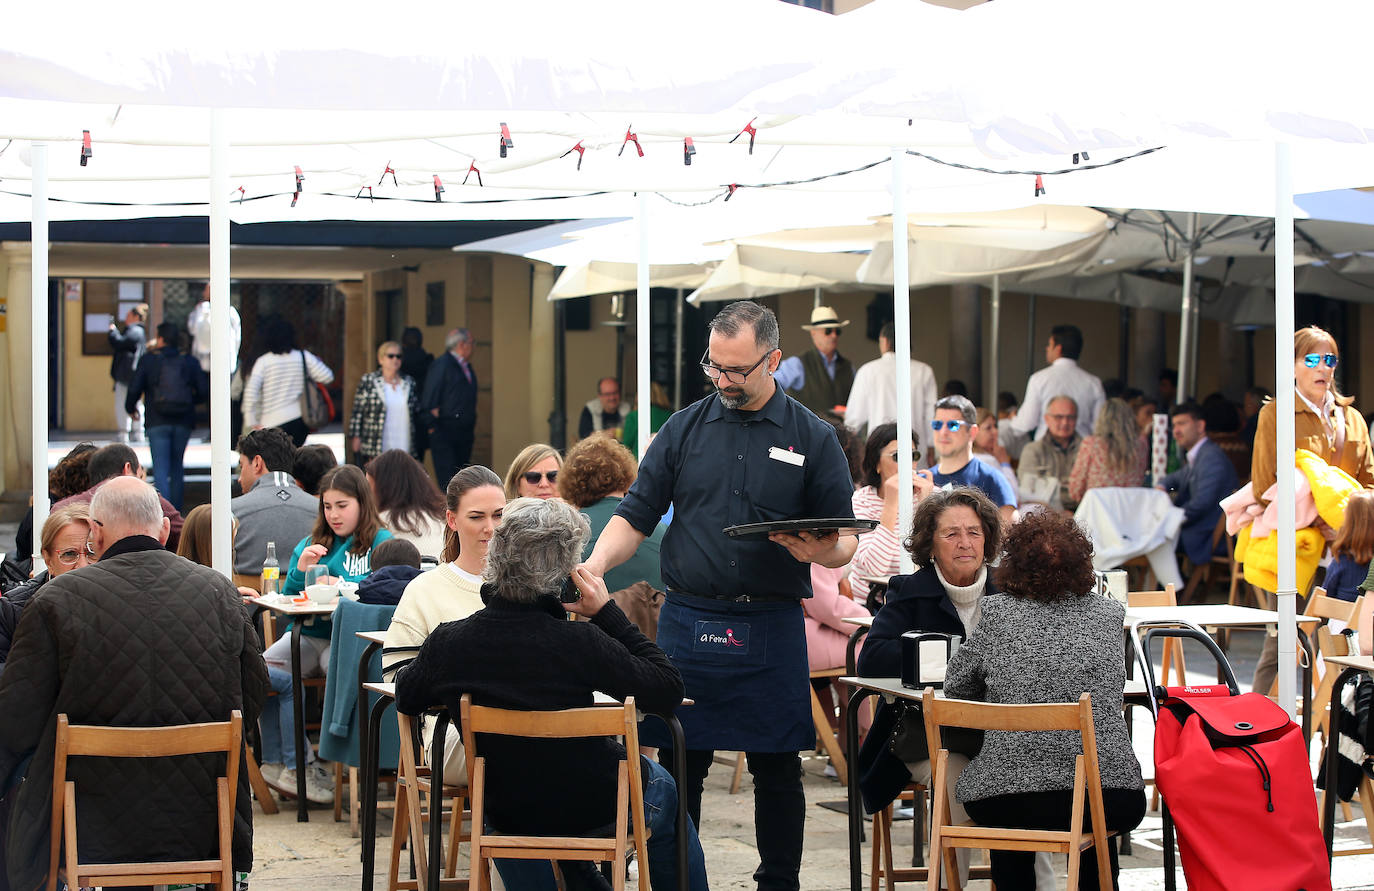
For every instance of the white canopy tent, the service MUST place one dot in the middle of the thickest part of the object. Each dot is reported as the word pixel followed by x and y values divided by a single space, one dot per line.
pixel 166 91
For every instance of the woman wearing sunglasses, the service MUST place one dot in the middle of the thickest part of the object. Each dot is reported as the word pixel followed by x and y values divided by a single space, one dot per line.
pixel 384 409
pixel 534 473
pixel 1325 423
pixel 64 547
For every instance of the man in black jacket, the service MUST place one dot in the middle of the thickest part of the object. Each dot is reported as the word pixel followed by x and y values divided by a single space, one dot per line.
pixel 128 348
pixel 170 385
pixel 140 638
pixel 449 399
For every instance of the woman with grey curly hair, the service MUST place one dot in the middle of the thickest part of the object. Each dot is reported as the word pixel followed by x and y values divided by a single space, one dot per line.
pixel 519 652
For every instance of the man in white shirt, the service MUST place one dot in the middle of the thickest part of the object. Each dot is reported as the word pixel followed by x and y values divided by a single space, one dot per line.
pixel 873 398
pixel 198 324
pixel 1063 377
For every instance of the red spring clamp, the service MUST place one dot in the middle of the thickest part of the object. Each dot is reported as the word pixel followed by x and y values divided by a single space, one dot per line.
pixel 438 188
pixel 688 150
pixel 300 185
pixel 85 147
pixel 751 130
pixel 472 168
pixel 385 172
pixel 732 188
pixel 580 149
pixel 241 192
pixel 360 193
pixel 630 136
pixel 1039 185
pixel 506 141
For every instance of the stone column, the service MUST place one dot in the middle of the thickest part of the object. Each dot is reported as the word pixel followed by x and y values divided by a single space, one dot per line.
pixel 1147 350
pixel 966 337
pixel 541 351
pixel 358 356
pixel 16 358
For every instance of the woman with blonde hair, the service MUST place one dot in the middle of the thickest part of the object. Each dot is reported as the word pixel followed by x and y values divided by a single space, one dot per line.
pixel 1115 455
pixel 64 547
pixel 534 472
pixel 384 408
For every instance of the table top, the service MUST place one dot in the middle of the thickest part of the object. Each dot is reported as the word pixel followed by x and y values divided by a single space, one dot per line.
pixel 1364 663
pixel 893 687
pixel 861 621
pixel 289 607
pixel 381 687
pixel 377 637
pixel 598 698
pixel 1210 615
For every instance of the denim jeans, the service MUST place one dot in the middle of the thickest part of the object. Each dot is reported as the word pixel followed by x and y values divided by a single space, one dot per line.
pixel 278 715
pixel 168 445
pixel 660 817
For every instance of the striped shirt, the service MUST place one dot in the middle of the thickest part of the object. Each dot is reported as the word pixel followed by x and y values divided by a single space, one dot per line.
pixel 272 396
pixel 879 552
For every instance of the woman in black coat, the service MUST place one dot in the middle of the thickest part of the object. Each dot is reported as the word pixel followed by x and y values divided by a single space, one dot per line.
pixel 64 548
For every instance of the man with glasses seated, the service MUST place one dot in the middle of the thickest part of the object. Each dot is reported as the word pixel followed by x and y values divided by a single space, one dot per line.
pixel 953 431
pixel 732 622
pixel 1054 451
pixel 820 378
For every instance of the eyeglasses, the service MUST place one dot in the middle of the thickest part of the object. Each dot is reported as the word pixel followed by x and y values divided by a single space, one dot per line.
pixel 533 476
pixel 1061 417
pixel 393 355
pixel 714 372
pixel 71 555
pixel 615 395
pixel 1312 360
pixel 832 332
pixel 954 426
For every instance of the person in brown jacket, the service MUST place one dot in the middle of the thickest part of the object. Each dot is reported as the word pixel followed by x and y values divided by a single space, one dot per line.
pixel 1325 423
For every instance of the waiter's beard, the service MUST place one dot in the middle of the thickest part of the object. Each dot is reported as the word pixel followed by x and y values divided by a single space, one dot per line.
pixel 733 399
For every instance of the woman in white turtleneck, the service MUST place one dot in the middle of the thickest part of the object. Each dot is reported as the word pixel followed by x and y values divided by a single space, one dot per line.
pixel 954 535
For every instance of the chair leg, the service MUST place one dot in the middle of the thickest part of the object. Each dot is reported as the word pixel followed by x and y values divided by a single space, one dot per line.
pixel 354 804
pixel 338 791
pixel 827 737
pixel 261 791
pixel 739 774
pixel 939 814
pixel 455 834
pixel 400 818
pixel 875 864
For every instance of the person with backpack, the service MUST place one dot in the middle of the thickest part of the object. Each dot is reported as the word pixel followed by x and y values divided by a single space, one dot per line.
pixel 170 384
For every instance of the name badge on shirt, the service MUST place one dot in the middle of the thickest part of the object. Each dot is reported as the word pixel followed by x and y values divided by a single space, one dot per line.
pixel 786 456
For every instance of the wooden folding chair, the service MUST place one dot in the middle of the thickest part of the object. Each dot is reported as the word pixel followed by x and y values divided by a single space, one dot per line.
pixel 616 720
pixel 825 733
pixel 1173 647
pixel 1202 572
pixel 417 800
pixel 82 740
pixel 1087 787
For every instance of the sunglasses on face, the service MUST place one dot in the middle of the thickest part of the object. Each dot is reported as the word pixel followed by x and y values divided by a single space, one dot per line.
pixel 533 476
pixel 71 555
pixel 954 426
pixel 393 355
pixel 1312 360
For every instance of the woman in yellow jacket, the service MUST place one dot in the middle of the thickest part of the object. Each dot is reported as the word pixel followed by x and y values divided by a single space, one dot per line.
pixel 1325 423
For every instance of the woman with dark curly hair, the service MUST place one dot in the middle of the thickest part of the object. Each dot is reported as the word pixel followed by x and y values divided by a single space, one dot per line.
pixel 954 535
pixel 596 474
pixel 1046 638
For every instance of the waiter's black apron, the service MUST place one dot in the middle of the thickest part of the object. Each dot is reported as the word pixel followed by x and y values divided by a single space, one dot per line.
pixel 745 666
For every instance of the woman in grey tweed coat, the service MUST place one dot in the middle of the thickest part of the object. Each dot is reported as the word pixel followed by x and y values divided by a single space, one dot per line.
pixel 1046 638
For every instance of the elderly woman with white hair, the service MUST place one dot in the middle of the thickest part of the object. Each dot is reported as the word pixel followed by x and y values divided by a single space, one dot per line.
pixel 521 653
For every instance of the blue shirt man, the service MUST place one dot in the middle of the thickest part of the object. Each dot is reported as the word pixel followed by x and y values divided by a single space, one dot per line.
pixel 732 622
pixel 954 430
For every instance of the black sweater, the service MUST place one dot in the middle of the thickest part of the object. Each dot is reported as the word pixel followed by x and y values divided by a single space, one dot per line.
pixel 529 657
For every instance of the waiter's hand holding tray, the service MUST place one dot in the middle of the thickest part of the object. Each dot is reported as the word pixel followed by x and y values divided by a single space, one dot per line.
pixel 821 527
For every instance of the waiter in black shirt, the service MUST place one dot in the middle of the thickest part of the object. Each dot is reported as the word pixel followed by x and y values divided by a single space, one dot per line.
pixel 732 622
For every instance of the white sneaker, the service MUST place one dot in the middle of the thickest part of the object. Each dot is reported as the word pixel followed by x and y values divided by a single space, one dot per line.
pixel 319 784
pixel 270 770
pixel 830 772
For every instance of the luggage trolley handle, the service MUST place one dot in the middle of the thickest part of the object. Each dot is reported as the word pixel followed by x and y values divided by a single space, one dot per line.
pixel 1185 631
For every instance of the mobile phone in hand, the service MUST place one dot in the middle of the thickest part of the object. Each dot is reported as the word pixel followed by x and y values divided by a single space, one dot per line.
pixel 569 593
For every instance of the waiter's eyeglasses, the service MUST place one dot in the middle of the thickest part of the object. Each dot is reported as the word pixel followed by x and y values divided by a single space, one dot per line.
pixel 1312 360
pixel 715 372
pixel 71 555
pixel 533 476
pixel 954 426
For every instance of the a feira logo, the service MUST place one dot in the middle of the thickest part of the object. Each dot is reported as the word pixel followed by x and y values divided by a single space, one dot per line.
pixel 723 636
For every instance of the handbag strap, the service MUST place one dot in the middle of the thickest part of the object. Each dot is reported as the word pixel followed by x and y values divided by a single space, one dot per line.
pixel 305 374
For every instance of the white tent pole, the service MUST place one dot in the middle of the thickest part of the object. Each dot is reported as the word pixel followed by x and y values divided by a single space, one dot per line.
pixel 1187 334
pixel 38 290
pixel 816 298
pixel 221 523
pixel 1284 433
pixel 677 339
pixel 996 336
pixel 901 306
pixel 642 385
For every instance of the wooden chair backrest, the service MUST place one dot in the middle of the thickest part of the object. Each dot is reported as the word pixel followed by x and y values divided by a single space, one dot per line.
pixel 1167 597
pixel 1324 607
pixel 83 740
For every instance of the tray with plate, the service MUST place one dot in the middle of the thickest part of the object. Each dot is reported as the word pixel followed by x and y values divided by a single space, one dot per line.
pixel 818 525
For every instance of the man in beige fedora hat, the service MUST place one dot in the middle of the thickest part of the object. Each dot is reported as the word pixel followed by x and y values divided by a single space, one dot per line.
pixel 820 378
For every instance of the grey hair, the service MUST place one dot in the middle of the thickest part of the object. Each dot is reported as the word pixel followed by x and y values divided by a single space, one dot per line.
pixel 128 508
pixel 730 320
pixel 535 548
pixel 457 336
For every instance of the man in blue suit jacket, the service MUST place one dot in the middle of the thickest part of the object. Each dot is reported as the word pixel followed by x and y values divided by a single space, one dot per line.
pixel 1198 487
pixel 449 399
